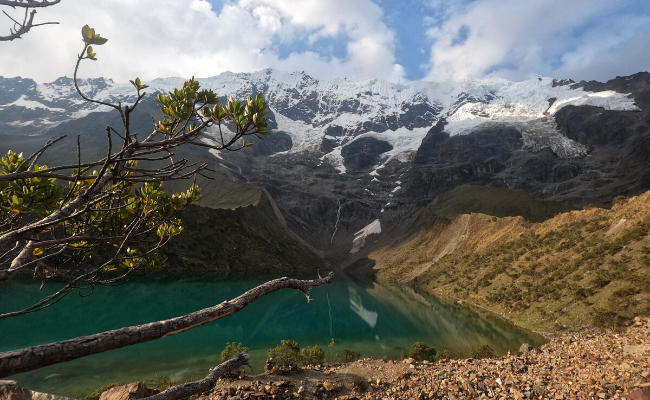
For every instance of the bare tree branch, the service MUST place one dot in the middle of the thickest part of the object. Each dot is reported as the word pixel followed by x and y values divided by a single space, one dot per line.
pixel 13 362
pixel 29 3
pixel 21 28
pixel 188 389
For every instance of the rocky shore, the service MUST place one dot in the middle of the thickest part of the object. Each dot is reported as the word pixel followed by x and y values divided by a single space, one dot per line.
pixel 588 365
pixel 592 364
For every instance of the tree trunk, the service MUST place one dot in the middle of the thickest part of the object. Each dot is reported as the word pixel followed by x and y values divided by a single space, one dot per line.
pixel 205 384
pixel 28 359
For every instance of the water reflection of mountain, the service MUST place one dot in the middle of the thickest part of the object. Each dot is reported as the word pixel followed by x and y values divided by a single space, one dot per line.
pixel 451 326
pixel 369 318
pixel 356 305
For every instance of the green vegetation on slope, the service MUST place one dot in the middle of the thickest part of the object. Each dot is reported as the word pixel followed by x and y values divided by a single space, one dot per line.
pixel 583 268
pixel 246 240
pixel 221 191
pixel 499 202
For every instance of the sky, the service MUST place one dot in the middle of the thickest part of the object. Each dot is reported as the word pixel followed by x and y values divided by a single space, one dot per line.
pixel 394 40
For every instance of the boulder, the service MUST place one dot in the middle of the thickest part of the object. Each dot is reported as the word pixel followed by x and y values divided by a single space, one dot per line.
pixel 135 390
pixel 525 348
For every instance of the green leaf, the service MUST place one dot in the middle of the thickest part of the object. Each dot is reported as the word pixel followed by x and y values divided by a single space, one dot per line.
pixel 90 37
pixel 97 40
pixel 90 53
pixel 87 33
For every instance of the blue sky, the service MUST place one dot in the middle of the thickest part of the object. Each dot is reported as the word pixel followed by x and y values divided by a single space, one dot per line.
pixel 435 40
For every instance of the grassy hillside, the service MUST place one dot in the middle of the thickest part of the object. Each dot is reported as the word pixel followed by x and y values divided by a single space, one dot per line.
pixel 499 202
pixel 248 240
pixel 581 268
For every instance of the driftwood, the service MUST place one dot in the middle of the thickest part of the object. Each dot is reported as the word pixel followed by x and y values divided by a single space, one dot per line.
pixel 205 384
pixel 31 358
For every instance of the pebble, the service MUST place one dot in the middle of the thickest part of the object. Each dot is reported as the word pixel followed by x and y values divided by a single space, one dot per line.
pixel 590 365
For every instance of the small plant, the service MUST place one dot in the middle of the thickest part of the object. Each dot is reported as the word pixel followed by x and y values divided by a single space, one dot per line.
pixel 619 200
pixel 420 352
pixel 484 351
pixel 351 355
pixel 286 354
pixel 231 351
pixel 312 356
pixel 162 383
pixel 98 393
pixel 605 318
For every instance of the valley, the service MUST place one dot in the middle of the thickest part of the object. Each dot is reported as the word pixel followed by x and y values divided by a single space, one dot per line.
pixel 527 200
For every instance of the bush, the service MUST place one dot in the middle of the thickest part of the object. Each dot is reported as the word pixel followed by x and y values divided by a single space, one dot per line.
pixel 619 200
pixel 484 351
pixel 313 356
pixel 421 352
pixel 351 355
pixel 605 318
pixel 286 354
pixel 231 351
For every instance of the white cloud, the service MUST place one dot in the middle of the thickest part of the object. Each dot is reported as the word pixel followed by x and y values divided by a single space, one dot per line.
pixel 581 39
pixel 159 38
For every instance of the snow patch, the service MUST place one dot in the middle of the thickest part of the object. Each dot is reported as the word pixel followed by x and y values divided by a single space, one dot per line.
pixel 360 237
pixel 335 159
pixel 609 100
pixel 31 104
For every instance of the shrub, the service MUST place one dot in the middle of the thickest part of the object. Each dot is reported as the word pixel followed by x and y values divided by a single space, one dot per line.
pixel 351 355
pixel 605 318
pixel 313 356
pixel 619 200
pixel 231 351
pixel 580 293
pixel 484 351
pixel 420 352
pixel 163 383
pixel 286 354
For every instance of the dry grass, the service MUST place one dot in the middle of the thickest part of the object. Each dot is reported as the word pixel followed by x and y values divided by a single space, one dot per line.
pixel 581 268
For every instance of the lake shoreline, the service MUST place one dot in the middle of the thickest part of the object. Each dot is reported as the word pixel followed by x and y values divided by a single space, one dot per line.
pixel 593 364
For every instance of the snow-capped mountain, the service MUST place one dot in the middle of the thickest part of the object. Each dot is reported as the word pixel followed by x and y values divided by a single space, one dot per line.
pixel 325 116
pixel 352 154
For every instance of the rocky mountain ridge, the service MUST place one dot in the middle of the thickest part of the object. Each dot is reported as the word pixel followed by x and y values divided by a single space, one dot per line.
pixel 349 161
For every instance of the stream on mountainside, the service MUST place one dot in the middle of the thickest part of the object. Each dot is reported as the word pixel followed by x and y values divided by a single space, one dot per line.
pixel 374 320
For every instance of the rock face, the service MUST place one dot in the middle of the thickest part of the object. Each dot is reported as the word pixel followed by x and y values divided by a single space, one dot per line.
pixel 346 153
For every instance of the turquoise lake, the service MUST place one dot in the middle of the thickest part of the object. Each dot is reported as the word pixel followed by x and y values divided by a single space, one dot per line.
pixel 371 319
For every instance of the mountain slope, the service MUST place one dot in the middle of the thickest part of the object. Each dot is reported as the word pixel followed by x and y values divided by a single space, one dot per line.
pixel 345 155
pixel 588 267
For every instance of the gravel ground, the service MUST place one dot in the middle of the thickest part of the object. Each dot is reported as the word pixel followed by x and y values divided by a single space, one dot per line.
pixel 588 365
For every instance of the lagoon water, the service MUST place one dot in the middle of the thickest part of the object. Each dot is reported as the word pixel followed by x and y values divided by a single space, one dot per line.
pixel 374 320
